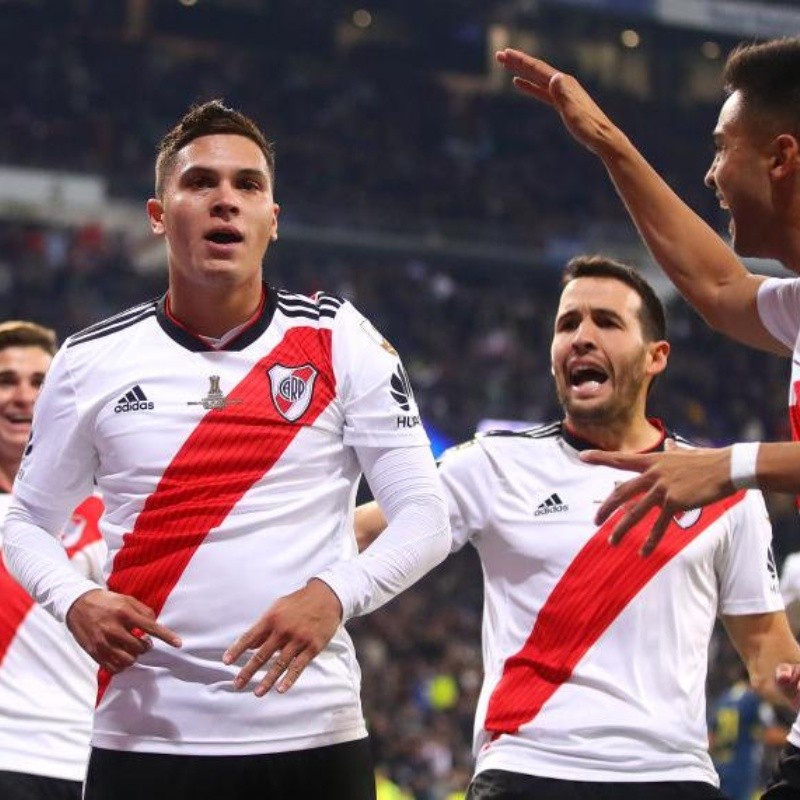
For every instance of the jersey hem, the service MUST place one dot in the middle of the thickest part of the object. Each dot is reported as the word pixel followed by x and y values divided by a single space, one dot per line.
pixel 136 744
pixel 571 771
pixel 25 765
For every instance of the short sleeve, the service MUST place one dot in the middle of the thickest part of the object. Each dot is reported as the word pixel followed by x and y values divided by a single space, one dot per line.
pixel 790 579
pixel 779 308
pixel 379 405
pixel 465 480
pixel 745 564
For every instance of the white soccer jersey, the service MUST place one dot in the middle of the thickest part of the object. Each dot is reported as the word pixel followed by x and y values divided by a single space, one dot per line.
pixel 48 684
pixel 790 579
pixel 229 478
pixel 594 657
pixel 779 309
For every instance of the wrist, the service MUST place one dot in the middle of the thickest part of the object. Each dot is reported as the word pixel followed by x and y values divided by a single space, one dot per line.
pixel 744 459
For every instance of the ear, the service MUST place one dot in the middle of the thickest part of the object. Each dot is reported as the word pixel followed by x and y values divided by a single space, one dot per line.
pixel 155 214
pixel 785 157
pixel 276 209
pixel 657 357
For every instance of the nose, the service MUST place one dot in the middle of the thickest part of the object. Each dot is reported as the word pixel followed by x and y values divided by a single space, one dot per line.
pixel 583 339
pixel 225 202
pixel 708 180
pixel 25 394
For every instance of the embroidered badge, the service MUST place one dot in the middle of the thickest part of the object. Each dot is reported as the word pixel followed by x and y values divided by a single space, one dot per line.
pixel 292 389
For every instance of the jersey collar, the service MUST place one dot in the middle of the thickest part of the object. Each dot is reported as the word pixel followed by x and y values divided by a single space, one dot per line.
pixel 191 341
pixel 573 440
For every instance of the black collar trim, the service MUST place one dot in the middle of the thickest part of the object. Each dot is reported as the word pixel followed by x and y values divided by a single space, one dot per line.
pixel 584 444
pixel 190 341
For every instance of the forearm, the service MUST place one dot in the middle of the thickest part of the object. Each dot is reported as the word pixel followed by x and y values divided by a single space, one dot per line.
pixel 764 641
pixel 778 467
pixel 701 265
pixel 40 564
pixel 416 539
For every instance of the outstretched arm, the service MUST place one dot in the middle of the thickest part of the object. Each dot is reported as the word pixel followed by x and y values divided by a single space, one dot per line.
pixel 703 268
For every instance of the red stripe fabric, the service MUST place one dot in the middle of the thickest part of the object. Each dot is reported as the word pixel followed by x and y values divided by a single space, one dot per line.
pixel 794 422
pixel 15 602
pixel 229 450
pixel 591 594
pixel 14 607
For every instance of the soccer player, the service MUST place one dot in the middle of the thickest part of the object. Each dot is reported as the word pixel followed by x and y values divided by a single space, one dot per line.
pixel 756 175
pixel 47 683
pixel 226 425
pixel 595 658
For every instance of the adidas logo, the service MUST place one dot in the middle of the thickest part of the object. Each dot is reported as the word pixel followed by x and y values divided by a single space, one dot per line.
pixel 552 505
pixel 134 400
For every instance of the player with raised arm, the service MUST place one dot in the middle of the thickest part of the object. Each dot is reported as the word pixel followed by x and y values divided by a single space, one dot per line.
pixel 756 175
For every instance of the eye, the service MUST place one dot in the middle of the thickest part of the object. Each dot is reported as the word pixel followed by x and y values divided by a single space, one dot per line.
pixel 200 182
pixel 251 185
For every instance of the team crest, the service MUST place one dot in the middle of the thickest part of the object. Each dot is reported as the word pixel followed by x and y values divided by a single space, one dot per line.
pixel 292 389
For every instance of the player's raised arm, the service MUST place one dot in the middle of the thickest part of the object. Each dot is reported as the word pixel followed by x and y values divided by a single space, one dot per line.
pixel 703 268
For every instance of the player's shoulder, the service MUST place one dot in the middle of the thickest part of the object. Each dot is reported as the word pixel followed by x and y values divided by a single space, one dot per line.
pixel 498 440
pixel 106 331
pixel 316 307
pixel 544 433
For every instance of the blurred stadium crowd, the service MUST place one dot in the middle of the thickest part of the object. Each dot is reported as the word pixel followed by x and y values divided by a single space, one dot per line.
pixel 376 144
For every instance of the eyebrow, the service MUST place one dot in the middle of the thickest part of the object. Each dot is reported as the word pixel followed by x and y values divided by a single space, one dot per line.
pixel 12 373
pixel 245 172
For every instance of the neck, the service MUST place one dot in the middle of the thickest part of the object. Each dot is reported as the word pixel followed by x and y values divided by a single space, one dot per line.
pixel 212 310
pixel 627 436
pixel 8 471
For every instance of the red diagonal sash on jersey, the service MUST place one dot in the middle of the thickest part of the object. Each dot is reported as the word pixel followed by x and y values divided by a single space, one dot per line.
pixel 16 602
pixel 229 450
pixel 794 422
pixel 591 594
pixel 15 605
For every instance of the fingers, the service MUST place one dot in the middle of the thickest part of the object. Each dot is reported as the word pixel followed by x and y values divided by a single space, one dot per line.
pixel 525 66
pixel 621 495
pixel 631 517
pixel 787 677
pixel 526 87
pixel 657 532
pixel 633 462
pixel 288 661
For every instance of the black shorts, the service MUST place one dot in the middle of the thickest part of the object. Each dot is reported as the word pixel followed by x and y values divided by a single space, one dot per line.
pixel 786 784
pixel 23 786
pixel 495 784
pixel 337 772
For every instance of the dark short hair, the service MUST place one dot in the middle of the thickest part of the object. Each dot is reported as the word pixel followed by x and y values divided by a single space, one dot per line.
pixel 651 314
pixel 208 119
pixel 768 77
pixel 20 333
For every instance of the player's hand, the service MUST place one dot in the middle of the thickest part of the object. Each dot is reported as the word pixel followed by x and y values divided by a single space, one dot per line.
pixel 287 637
pixel 787 677
pixel 583 118
pixel 674 480
pixel 115 629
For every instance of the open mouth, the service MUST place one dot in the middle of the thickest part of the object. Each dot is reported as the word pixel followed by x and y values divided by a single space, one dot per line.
pixel 587 377
pixel 224 237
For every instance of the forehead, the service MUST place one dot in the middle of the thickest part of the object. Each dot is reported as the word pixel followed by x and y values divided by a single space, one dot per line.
pixel 730 122
pixel 221 152
pixel 24 360
pixel 587 294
